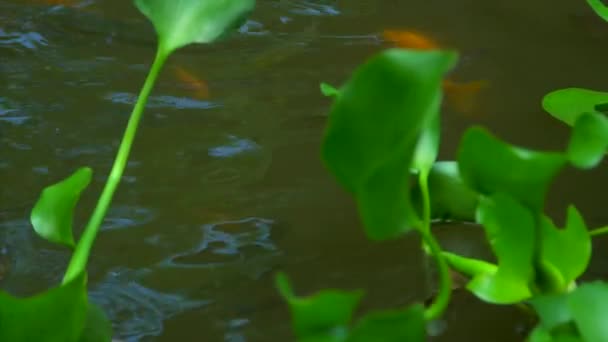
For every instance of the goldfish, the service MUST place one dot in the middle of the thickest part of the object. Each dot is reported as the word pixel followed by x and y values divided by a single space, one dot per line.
pixel 462 97
pixel 199 88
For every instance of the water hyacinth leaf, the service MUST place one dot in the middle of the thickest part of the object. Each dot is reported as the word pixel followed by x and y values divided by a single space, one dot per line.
pixel 53 213
pixel 55 315
pixel 98 327
pixel 323 316
pixel 451 198
pixel 329 90
pixel 574 238
pixel 552 310
pixel 393 325
pixel 510 229
pixel 182 22
pixel 589 140
pixel 570 103
pixel 599 8
pixel 373 129
pixel 524 174
pixel 589 308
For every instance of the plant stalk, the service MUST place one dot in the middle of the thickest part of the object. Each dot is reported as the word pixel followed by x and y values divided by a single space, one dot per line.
pixel 598 231
pixel 436 309
pixel 84 245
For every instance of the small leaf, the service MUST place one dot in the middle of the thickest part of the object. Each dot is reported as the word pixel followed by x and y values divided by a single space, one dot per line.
pixel 599 8
pixel 56 315
pixel 574 238
pixel 182 22
pixel 373 129
pixel 469 266
pixel 489 165
pixel 451 198
pixel 53 213
pixel 552 310
pixel 427 146
pixel 329 90
pixel 98 327
pixel 589 140
pixel 589 307
pixel 323 316
pixel 510 230
pixel 392 326
pixel 570 103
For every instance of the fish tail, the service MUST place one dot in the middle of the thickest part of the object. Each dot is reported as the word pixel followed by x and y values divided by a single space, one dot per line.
pixel 464 97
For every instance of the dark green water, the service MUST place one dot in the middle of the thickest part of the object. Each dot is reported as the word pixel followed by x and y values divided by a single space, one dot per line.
pixel 222 193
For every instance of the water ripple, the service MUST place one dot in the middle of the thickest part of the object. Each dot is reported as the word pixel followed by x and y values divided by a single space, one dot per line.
pixel 236 146
pixel 165 101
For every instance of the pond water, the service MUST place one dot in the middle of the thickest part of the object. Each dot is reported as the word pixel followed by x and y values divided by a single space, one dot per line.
pixel 222 192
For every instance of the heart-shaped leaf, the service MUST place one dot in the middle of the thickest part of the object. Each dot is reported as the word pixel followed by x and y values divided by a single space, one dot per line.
pixel 373 130
pixel 392 326
pixel 570 103
pixel 589 308
pixel 510 229
pixel 489 165
pixel 574 238
pixel 182 22
pixel 56 315
pixel 451 198
pixel 599 8
pixel 53 213
pixel 589 140
pixel 322 317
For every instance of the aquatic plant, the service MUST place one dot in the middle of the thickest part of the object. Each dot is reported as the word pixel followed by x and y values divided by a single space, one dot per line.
pixel 63 312
pixel 381 144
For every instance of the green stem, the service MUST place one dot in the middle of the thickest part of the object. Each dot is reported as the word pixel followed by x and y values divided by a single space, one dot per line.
pixel 83 248
pixel 598 231
pixel 436 309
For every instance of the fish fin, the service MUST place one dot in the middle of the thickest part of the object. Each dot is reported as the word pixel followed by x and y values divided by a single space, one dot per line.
pixel 464 97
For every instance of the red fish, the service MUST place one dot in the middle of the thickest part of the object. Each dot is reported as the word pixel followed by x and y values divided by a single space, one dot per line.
pixel 462 97
pixel 199 88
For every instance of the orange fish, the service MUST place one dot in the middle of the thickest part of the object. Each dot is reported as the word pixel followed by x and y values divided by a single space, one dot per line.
pixel 462 97
pixel 199 88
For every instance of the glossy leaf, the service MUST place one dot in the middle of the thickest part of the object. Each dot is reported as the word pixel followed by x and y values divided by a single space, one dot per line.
pixel 510 229
pixel 427 146
pixel 329 90
pixel 469 266
pixel 552 310
pixel 56 315
pixel 451 198
pixel 570 103
pixel 53 213
pixel 589 140
pixel 373 129
pixel 98 327
pixel 393 326
pixel 599 8
pixel 489 165
pixel 182 22
pixel 574 239
pixel 322 317
pixel 589 308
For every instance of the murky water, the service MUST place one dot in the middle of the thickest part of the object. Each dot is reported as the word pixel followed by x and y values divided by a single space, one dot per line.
pixel 220 193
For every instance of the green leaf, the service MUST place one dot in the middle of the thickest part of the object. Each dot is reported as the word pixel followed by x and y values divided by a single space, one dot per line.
pixel 392 326
pixel 322 317
pixel 98 327
pixel 599 8
pixel 427 146
pixel 451 198
pixel 510 230
pixel 589 140
pixel 574 238
pixel 373 129
pixel 329 90
pixel 552 310
pixel 589 307
pixel 469 266
pixel 53 213
pixel 182 22
pixel 56 315
pixel 489 165
pixel 570 103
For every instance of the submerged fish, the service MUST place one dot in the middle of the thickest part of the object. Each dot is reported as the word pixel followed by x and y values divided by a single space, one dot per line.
pixel 198 87
pixel 462 97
